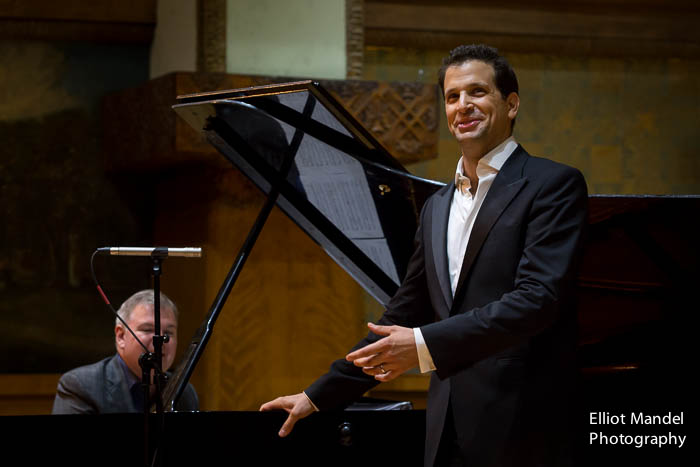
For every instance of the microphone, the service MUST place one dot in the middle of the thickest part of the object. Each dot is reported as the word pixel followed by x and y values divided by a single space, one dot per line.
pixel 152 251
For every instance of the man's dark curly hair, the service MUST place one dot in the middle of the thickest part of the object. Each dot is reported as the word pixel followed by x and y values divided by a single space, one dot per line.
pixel 506 81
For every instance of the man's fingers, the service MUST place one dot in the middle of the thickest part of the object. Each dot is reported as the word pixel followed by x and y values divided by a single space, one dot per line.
pixel 376 370
pixel 272 405
pixel 372 360
pixel 278 404
pixel 388 376
pixel 297 406
pixel 367 351
pixel 372 349
pixel 288 425
pixel 286 404
pixel 381 375
pixel 379 329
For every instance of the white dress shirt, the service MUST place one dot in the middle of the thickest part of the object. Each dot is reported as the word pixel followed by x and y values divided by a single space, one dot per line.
pixel 463 211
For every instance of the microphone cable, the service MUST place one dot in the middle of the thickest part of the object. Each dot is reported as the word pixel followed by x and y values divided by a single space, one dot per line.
pixel 108 303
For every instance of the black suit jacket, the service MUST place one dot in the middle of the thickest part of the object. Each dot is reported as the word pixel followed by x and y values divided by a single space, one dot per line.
pixel 102 388
pixel 504 344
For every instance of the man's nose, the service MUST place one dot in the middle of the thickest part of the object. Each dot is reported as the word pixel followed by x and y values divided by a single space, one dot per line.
pixel 465 102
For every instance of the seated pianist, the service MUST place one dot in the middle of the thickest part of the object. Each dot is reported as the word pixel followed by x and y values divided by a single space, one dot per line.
pixel 113 385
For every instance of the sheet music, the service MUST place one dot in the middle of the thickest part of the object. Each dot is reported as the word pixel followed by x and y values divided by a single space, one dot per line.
pixel 377 249
pixel 336 185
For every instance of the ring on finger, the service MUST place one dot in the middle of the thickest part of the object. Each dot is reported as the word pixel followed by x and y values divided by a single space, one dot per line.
pixel 381 367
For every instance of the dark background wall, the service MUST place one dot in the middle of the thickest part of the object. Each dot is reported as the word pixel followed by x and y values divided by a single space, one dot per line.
pixel 57 204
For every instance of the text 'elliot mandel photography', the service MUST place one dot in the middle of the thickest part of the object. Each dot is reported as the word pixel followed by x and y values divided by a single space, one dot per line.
pixel 637 429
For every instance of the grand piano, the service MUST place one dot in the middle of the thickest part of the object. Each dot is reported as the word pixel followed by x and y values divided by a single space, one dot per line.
pixel 313 160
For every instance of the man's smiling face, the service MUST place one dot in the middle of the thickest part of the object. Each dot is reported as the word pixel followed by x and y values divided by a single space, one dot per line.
pixel 477 114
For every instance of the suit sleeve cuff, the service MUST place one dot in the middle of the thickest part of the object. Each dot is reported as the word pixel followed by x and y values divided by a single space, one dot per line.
pixel 425 360
pixel 310 401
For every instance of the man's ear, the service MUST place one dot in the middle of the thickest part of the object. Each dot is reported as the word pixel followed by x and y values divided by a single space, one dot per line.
pixel 119 335
pixel 513 102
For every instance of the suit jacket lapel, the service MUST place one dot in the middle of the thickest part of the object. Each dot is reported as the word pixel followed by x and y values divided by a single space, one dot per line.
pixel 117 391
pixel 440 217
pixel 507 184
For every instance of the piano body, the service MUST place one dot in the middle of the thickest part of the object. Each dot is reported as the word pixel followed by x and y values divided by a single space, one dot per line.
pixel 339 185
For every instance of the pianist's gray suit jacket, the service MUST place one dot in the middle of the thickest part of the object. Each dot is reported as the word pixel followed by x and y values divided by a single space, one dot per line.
pixel 102 388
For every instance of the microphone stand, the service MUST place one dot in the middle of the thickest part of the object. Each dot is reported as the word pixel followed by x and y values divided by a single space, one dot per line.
pixel 152 363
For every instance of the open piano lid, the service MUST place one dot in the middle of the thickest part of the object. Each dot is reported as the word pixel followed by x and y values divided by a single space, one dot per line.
pixel 330 176
pixel 343 188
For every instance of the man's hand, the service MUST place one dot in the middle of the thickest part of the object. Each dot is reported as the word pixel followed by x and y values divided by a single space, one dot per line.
pixel 390 356
pixel 297 406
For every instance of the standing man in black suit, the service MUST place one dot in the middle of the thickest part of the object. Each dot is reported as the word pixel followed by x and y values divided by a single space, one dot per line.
pixel 487 301
pixel 113 385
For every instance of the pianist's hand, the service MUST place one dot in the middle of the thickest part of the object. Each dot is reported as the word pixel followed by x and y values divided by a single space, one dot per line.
pixel 297 406
pixel 390 356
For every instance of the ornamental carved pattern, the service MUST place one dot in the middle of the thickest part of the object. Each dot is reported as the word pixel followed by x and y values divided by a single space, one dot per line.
pixel 402 116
